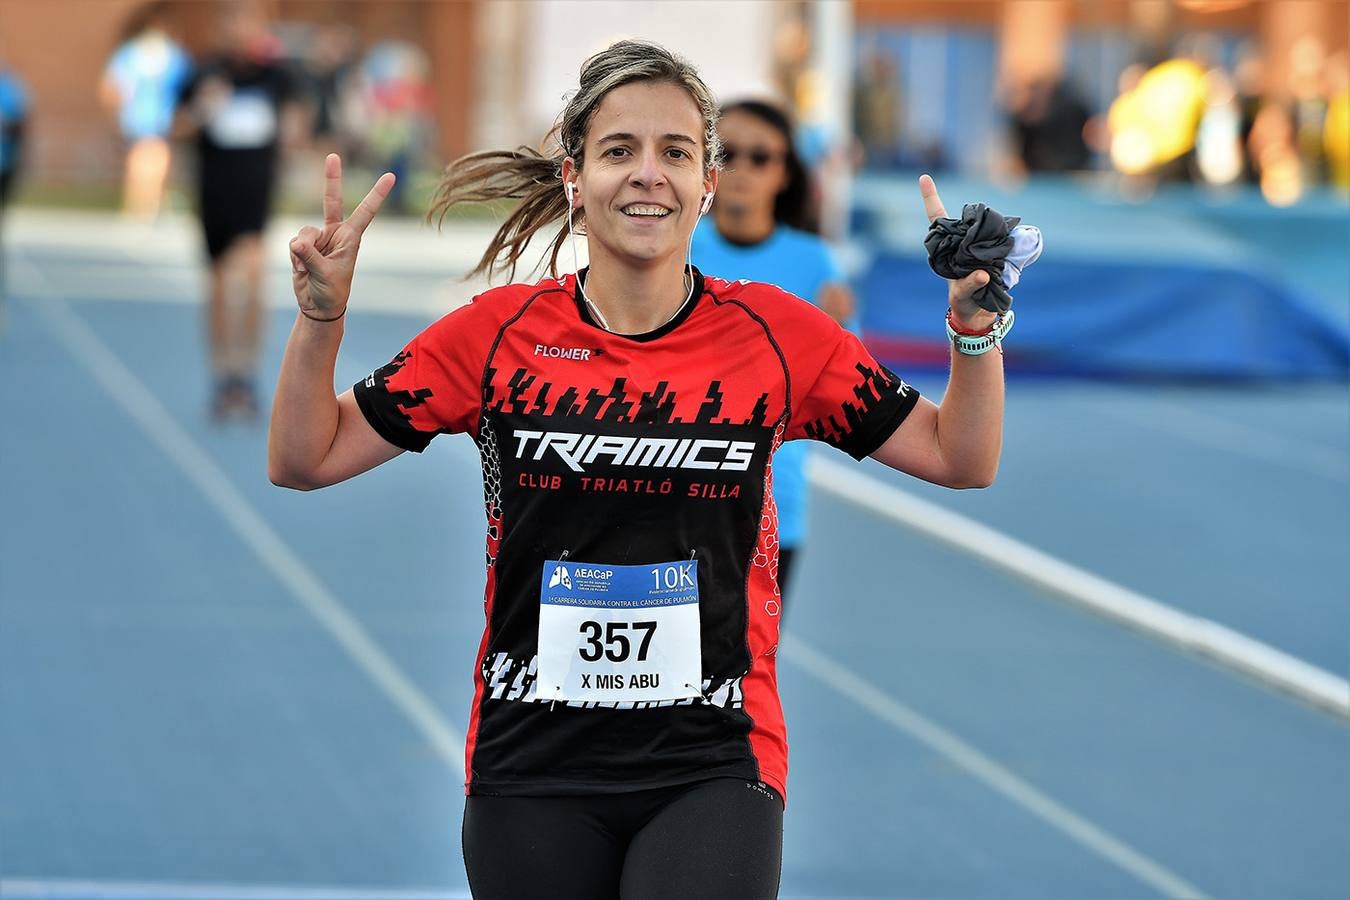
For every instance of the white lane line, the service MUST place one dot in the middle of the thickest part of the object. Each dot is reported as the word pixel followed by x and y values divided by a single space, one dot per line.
pixel 425 297
pixel 80 889
pixel 1191 633
pixel 1209 430
pixel 995 776
pixel 137 401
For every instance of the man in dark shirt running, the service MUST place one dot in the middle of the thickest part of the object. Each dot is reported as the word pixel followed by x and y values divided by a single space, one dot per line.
pixel 238 102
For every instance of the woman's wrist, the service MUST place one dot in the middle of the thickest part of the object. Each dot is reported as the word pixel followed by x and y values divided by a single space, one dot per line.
pixel 318 315
pixel 979 322
pixel 976 343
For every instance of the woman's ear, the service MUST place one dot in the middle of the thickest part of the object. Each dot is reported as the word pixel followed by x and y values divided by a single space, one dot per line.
pixel 570 174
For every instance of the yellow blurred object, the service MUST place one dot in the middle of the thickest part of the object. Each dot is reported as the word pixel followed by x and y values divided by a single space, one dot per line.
pixel 1156 121
pixel 1336 139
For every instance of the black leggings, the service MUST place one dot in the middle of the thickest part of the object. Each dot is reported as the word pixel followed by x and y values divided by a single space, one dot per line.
pixel 721 838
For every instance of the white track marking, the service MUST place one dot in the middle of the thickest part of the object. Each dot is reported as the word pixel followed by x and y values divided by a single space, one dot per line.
pixel 869 697
pixel 83 889
pixel 427 297
pixel 140 404
pixel 422 267
pixel 1191 633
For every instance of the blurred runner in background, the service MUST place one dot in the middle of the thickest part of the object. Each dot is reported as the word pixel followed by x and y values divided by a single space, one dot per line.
pixel 141 84
pixel 13 120
pixel 1047 118
pixel 394 96
pixel 759 232
pixel 239 104
pixel 330 65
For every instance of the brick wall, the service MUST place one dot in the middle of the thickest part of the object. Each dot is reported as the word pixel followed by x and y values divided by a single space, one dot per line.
pixel 59 47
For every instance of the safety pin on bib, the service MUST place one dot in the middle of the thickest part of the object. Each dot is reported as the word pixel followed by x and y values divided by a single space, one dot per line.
pixel 554 702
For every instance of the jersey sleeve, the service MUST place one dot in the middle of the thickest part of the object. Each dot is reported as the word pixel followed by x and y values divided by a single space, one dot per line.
pixel 189 84
pixel 181 73
pixel 435 383
pixel 841 395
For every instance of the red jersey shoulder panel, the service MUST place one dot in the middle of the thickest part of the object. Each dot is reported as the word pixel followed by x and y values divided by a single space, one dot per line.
pixel 839 393
pixel 435 384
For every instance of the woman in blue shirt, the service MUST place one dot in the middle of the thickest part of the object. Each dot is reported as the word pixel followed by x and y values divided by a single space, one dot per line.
pixel 140 85
pixel 760 232
pixel 13 120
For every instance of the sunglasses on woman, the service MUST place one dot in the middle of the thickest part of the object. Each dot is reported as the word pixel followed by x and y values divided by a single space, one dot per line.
pixel 758 157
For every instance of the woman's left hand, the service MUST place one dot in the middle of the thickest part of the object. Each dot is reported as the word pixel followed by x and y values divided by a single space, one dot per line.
pixel 968 314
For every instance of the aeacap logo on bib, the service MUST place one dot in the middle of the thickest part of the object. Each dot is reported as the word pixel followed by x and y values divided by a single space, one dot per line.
pixel 588 578
pixel 595 574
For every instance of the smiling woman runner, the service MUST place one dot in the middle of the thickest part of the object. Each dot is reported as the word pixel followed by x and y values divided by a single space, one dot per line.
pixel 626 738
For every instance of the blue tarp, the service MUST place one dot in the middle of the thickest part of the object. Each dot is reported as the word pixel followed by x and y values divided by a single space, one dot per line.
pixel 1122 319
pixel 1184 285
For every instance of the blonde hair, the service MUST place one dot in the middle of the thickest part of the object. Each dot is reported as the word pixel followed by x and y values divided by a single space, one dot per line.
pixel 534 177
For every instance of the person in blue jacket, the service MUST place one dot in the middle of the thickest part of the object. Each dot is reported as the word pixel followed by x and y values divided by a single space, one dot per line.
pixel 759 232
pixel 141 83
pixel 13 122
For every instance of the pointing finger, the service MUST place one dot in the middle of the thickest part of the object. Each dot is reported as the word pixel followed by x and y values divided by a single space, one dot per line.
pixel 932 203
pixel 365 211
pixel 332 189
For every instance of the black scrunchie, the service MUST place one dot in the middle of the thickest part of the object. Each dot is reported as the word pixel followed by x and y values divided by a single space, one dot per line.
pixel 980 239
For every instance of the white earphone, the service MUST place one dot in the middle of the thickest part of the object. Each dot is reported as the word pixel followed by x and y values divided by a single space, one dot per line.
pixel 707 203
pixel 570 189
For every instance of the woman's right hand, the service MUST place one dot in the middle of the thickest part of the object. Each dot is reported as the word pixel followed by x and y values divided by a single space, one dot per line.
pixel 960 292
pixel 323 260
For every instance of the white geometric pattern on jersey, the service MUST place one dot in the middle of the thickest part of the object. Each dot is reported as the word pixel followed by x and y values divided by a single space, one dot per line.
pixel 507 678
pixel 492 486
pixel 766 548
pixel 508 681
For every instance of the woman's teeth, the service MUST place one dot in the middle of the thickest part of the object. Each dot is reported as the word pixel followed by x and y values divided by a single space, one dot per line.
pixel 654 211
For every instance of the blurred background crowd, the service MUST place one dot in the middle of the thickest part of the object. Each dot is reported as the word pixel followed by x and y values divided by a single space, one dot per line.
pixel 1218 92
pixel 1152 139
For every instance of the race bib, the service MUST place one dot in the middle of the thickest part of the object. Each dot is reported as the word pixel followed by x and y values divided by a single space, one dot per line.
pixel 619 633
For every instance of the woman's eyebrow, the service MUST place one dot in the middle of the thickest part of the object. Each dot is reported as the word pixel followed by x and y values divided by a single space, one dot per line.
pixel 625 136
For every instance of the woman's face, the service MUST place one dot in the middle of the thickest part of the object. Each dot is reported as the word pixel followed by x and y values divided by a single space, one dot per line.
pixel 754 170
pixel 643 177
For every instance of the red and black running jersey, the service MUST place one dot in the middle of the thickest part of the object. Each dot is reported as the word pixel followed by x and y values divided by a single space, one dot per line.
pixel 627 450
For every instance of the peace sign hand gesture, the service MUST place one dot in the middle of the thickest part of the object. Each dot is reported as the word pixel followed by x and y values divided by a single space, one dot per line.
pixel 959 292
pixel 323 260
